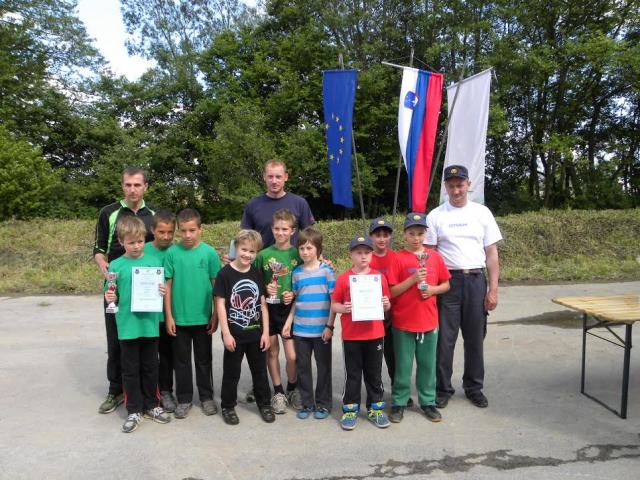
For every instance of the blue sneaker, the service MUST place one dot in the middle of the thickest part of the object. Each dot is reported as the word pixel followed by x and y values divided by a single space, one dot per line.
pixel 321 413
pixel 377 416
pixel 350 416
pixel 303 413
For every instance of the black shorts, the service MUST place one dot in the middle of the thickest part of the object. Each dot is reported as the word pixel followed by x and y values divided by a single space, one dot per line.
pixel 278 314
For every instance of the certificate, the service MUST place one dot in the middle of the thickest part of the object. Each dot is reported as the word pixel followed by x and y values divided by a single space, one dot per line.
pixel 145 294
pixel 366 297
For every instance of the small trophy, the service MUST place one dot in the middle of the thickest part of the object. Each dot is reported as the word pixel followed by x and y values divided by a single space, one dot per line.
pixel 111 281
pixel 276 269
pixel 422 258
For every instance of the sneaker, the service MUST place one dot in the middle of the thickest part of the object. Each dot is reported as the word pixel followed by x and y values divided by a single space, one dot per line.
pixel 295 400
pixel 167 401
pixel 279 403
pixel 397 412
pixel 132 422
pixel 250 397
pixel 182 410
pixel 158 415
pixel 321 413
pixel 478 399
pixel 377 416
pixel 410 402
pixel 350 416
pixel 111 403
pixel 303 413
pixel 209 407
pixel 267 414
pixel 230 417
pixel 432 413
pixel 442 401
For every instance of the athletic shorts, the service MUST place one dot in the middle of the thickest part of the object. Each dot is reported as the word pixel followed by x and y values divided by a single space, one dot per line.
pixel 278 314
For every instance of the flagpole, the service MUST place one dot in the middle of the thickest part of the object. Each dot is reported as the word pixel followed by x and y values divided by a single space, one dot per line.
pixel 355 158
pixel 444 134
pixel 395 198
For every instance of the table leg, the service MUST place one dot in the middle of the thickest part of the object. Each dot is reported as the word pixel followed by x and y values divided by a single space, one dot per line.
pixel 625 371
pixel 584 349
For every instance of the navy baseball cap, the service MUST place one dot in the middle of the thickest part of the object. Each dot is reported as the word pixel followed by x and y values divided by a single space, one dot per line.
pixel 380 222
pixel 415 218
pixel 453 171
pixel 358 241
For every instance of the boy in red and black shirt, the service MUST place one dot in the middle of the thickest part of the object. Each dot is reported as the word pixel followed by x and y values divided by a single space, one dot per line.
pixel 362 341
pixel 417 275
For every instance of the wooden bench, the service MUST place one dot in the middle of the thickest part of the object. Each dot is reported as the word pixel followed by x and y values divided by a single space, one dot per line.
pixel 607 312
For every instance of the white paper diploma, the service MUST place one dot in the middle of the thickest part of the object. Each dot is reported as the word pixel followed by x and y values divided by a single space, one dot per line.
pixel 366 297
pixel 145 294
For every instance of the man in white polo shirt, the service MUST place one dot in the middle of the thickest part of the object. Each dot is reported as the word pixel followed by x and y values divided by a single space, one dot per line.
pixel 466 235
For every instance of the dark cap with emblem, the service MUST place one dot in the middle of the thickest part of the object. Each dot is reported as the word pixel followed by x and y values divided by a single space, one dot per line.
pixel 456 171
pixel 415 218
pixel 380 222
pixel 360 241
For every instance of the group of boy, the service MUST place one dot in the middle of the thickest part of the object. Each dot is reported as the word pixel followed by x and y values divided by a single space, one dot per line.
pixel 304 298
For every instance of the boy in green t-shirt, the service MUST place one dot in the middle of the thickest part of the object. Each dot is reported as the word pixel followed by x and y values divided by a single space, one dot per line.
pixel 137 331
pixel 280 259
pixel 191 267
pixel 163 228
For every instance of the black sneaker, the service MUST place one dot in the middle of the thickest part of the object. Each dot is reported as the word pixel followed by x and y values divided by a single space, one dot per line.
pixel 267 414
pixel 432 413
pixel 478 399
pixel 397 412
pixel 230 416
pixel 442 401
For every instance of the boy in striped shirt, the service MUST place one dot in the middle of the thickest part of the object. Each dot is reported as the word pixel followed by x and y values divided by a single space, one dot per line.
pixel 311 325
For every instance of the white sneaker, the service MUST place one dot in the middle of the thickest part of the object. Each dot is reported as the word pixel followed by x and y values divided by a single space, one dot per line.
pixel 279 403
pixel 132 422
pixel 158 415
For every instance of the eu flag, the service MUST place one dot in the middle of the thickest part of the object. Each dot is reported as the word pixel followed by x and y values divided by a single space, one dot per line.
pixel 338 92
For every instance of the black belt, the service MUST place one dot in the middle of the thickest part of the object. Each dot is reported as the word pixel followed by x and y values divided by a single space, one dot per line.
pixel 467 271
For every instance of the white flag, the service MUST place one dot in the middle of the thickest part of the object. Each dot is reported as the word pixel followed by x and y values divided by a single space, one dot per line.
pixel 467 138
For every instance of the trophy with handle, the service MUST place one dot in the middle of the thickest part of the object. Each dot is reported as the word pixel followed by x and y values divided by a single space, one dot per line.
pixel 111 282
pixel 276 269
pixel 422 259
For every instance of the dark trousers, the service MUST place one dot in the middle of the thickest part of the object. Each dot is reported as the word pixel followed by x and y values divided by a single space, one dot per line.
pixel 114 367
pixel 321 350
pixel 462 309
pixel 363 357
pixel 389 355
pixel 140 373
pixel 197 336
pixel 231 367
pixel 165 352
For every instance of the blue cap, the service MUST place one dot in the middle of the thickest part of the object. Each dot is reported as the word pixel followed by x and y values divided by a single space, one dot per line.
pixel 380 222
pixel 453 171
pixel 358 241
pixel 415 218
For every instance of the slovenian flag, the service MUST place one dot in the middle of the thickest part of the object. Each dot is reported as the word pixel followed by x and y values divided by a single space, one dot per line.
pixel 418 111
pixel 339 93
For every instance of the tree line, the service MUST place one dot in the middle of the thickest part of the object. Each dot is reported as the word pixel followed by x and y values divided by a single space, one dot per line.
pixel 233 86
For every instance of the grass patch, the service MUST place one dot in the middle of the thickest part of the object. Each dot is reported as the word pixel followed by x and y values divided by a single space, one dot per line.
pixel 54 257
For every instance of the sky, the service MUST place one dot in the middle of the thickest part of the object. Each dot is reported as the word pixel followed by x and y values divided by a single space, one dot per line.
pixel 103 22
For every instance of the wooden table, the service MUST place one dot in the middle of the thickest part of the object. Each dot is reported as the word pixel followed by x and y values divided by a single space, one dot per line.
pixel 607 312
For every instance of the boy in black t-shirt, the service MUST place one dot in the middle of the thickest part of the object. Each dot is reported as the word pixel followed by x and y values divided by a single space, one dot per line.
pixel 244 321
